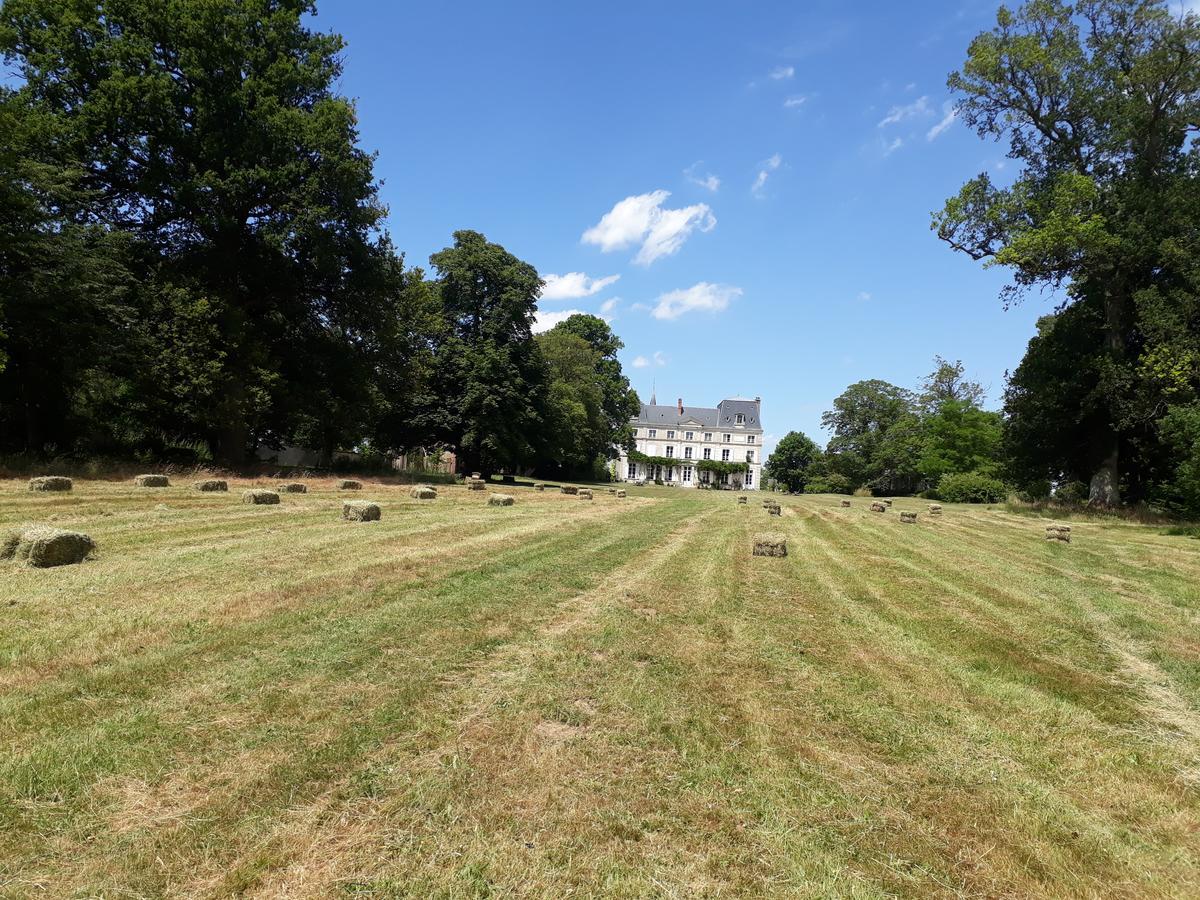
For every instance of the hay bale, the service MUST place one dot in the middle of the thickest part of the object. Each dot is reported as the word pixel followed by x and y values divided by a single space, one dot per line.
pixel 476 486
pixel 770 545
pixel 585 493
pixel 612 490
pixel 1058 533
pixel 210 485
pixel 422 492
pixel 908 518
pixel 742 501
pixel 620 495
pixel 51 483
pixel 348 484
pixel 845 504
pixel 888 503
pixel 935 509
pixel 149 481
pixel 878 506
pixel 774 510
pixel 569 489
pixel 539 487
pixel 475 476
pixel 260 497
pixel 500 500
pixel 361 511
pixel 43 547
pixel 293 487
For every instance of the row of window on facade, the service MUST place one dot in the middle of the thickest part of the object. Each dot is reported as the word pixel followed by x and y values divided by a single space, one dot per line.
pixel 667 474
pixel 707 453
pixel 691 436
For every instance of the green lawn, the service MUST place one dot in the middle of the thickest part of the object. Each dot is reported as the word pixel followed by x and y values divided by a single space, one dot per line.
pixel 582 698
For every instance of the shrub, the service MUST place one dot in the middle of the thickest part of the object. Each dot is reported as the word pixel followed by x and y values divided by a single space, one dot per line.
pixel 828 484
pixel 1072 492
pixel 1035 491
pixel 971 487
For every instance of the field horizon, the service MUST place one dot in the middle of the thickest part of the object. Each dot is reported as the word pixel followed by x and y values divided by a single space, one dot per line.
pixel 570 698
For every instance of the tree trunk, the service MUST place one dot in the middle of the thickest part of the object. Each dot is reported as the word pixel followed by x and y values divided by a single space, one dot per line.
pixel 1105 487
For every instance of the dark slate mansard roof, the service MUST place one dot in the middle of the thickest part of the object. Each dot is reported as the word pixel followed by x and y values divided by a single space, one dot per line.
pixel 723 416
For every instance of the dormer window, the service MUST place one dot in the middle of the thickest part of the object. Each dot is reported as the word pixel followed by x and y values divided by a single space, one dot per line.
pixel 739 419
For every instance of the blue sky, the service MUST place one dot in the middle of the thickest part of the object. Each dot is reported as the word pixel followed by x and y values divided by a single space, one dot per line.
pixel 746 188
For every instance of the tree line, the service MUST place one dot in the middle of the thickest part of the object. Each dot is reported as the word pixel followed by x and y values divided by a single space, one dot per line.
pixel 1098 102
pixel 891 440
pixel 193 261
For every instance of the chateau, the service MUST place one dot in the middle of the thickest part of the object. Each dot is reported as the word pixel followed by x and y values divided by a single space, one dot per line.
pixel 677 439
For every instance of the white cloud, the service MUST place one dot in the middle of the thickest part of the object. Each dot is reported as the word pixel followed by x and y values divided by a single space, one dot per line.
pixel 641 218
pixel 709 181
pixel 864 295
pixel 782 73
pixel 764 173
pixel 919 107
pixel 702 297
pixel 795 102
pixel 609 305
pixel 947 121
pixel 574 285
pixel 544 321
pixel 889 149
pixel 643 362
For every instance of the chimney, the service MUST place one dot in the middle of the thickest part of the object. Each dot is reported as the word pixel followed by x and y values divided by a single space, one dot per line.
pixel 681 406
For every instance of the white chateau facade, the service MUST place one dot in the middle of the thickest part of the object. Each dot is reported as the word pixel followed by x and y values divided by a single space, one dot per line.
pixel 731 432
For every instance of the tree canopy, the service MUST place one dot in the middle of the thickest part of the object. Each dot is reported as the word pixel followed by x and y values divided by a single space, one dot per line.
pixel 1099 102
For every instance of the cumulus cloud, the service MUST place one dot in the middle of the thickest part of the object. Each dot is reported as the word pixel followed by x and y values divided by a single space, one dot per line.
pixel 768 166
pixel 897 114
pixel 645 362
pixel 574 285
pixel 544 321
pixel 947 120
pixel 708 181
pixel 782 73
pixel 702 297
pixel 642 219
pixel 609 305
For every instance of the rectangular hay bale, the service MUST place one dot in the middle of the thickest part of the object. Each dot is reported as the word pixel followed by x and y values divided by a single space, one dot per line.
pixel 51 483
pixel 770 545
pixel 43 548
pixel 908 518
pixel 423 492
pixel 1058 533
pixel 361 511
pixel 149 481
pixel 293 487
pixel 260 497
pixel 349 484
pixel 569 489
pixel 211 485
pixel 500 500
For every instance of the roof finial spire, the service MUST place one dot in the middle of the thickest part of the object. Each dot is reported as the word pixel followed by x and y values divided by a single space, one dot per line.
pixel 653 392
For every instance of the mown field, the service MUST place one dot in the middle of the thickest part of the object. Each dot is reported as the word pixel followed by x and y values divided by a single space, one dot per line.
pixel 612 698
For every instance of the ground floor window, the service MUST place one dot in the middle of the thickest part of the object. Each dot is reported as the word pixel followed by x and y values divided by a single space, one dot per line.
pixel 670 474
pixel 632 471
pixel 687 474
pixel 749 478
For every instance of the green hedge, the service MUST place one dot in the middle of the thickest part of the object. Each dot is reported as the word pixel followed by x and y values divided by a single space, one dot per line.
pixel 971 487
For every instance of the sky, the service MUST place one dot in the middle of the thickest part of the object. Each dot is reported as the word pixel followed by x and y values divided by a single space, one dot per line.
pixel 742 189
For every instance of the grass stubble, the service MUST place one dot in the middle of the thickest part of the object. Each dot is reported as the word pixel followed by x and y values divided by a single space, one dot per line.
pixel 611 698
